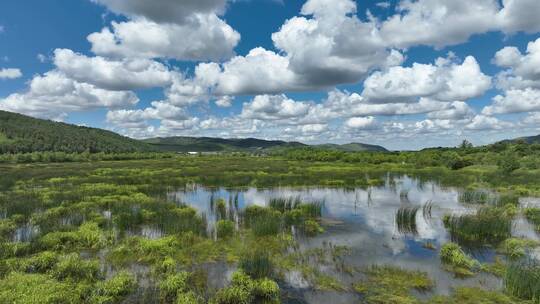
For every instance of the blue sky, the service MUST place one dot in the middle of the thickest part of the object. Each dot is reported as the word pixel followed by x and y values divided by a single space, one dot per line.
pixel 404 74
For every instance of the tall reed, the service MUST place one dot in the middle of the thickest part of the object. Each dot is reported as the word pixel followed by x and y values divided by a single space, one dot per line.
pixel 488 225
pixel 522 280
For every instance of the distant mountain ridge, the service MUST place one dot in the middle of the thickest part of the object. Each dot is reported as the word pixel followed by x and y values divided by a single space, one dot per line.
pixel 23 134
pixel 352 147
pixel 528 139
pixel 210 144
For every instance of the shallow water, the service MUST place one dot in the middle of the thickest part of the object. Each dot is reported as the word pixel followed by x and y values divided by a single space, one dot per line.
pixel 365 221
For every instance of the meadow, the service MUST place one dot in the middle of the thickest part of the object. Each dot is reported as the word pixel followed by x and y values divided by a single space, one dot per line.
pixel 126 229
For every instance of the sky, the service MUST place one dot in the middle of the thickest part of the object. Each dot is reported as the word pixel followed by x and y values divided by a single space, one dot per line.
pixel 405 74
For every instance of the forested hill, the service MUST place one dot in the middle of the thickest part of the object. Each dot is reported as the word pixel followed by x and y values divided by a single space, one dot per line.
pixel 352 147
pixel 19 133
pixel 528 139
pixel 209 144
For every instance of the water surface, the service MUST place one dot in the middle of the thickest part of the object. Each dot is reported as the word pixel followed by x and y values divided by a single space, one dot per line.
pixel 364 219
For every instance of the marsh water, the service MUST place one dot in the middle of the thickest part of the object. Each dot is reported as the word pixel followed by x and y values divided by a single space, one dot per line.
pixel 364 220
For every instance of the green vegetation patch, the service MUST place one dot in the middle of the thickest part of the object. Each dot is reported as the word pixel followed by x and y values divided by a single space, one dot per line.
pixel 533 216
pixel 516 248
pixel 465 295
pixel 38 289
pixel 522 280
pixel 245 290
pixel 457 261
pixel 489 225
pixel 389 284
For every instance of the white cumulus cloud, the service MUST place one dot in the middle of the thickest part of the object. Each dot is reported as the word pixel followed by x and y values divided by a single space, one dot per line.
pixel 53 95
pixel 10 73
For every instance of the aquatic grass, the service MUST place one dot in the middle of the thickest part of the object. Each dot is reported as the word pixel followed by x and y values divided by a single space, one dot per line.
pixel 522 280
pixel 263 221
pixel 224 229
pixel 246 290
pixel 312 228
pixel 533 216
pixel 257 264
pixel 173 285
pixel 115 289
pixel 265 226
pixel 312 209
pixel 516 248
pixel 390 284
pixel 457 261
pixel 221 209
pixel 73 267
pixel 38 288
pixel 88 236
pixel 180 220
pixel 406 219
pixel 137 189
pixel 508 198
pixel 480 197
pixel 473 295
pixel 488 225
pixel 284 204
